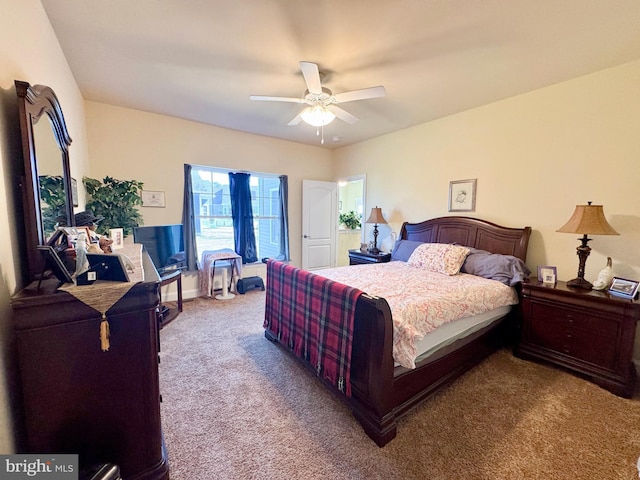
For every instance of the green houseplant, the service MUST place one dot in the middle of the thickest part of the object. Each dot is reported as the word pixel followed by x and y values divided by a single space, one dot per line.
pixel 52 195
pixel 116 201
pixel 350 220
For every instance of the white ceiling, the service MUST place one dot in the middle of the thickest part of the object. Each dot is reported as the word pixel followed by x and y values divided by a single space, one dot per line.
pixel 202 59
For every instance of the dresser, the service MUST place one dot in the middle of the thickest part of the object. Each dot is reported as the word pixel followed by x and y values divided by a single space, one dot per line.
pixel 358 257
pixel 80 398
pixel 588 332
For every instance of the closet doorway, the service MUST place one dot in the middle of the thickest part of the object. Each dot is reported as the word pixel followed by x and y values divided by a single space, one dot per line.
pixel 351 201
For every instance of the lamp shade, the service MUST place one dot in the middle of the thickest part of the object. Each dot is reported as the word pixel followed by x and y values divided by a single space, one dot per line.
pixel 588 220
pixel 376 216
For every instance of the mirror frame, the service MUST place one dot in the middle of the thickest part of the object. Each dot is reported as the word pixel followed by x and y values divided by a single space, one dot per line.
pixel 34 102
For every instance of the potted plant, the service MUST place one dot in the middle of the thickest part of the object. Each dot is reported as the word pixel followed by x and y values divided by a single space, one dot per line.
pixel 116 201
pixel 350 219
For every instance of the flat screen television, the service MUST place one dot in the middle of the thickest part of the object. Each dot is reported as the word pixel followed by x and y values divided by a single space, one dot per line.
pixel 164 243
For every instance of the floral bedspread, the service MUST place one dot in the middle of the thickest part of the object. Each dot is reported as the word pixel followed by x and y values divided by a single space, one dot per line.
pixel 421 300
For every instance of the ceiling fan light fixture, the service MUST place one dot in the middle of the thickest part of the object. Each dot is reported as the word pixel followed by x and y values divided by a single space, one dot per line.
pixel 317 115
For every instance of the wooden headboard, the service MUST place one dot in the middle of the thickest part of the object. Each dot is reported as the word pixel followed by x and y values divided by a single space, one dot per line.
pixel 470 232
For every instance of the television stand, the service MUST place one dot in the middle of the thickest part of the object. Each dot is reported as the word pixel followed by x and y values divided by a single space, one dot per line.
pixel 167 277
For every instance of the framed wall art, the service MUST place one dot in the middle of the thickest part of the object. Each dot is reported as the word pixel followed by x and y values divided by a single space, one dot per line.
pixel 462 195
pixel 152 199
pixel 74 191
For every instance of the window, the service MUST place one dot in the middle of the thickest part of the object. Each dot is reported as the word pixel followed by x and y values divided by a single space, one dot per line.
pixel 212 211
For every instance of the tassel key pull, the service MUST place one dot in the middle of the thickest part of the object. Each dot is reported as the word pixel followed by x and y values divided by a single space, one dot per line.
pixel 104 334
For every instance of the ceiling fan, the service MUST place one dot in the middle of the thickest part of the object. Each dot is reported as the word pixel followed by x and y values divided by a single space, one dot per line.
pixel 322 106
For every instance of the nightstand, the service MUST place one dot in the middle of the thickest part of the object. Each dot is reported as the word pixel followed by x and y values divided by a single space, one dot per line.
pixel 588 332
pixel 358 257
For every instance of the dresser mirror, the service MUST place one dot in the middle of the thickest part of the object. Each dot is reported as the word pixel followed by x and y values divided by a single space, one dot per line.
pixel 46 185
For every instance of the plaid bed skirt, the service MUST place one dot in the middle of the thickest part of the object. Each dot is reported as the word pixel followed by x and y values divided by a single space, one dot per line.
pixel 313 317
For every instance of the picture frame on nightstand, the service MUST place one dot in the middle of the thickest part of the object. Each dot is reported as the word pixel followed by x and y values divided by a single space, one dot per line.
pixel 624 287
pixel 547 274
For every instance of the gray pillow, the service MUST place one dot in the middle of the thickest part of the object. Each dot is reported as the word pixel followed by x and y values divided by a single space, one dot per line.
pixel 403 249
pixel 507 269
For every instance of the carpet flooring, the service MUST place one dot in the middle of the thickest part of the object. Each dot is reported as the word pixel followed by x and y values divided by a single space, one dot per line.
pixel 236 406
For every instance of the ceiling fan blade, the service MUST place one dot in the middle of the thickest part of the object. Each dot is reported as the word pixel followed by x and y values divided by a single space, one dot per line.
pixel 276 99
pixel 311 77
pixel 371 92
pixel 342 114
pixel 296 120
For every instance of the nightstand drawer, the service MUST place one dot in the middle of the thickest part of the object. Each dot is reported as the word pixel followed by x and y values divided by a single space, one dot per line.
pixel 560 336
pixel 575 320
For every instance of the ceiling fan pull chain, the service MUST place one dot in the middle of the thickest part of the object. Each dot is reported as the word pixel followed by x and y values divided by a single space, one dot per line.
pixel 322 138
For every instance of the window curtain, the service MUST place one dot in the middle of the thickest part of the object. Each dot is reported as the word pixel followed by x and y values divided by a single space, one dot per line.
pixel 242 214
pixel 188 222
pixel 284 218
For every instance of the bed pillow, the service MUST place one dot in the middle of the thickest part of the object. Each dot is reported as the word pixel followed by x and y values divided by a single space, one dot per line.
pixel 403 249
pixel 507 269
pixel 439 257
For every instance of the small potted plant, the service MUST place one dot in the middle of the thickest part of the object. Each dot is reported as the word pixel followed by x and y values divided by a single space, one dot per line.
pixel 350 219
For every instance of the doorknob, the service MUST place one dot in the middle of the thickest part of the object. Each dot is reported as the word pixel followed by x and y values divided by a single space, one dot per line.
pixel 306 236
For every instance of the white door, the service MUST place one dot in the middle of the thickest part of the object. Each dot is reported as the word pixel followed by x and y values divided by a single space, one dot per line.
pixel 319 224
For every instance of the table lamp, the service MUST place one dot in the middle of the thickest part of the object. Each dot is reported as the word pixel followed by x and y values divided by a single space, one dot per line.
pixel 586 220
pixel 376 218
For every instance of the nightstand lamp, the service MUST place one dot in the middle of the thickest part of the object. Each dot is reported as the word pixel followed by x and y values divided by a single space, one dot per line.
pixel 586 220
pixel 376 218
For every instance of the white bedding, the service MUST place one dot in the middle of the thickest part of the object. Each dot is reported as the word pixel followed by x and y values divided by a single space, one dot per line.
pixel 422 301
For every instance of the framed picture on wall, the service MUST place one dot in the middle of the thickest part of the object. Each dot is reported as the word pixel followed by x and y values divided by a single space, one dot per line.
pixel 462 195
pixel 74 191
pixel 152 199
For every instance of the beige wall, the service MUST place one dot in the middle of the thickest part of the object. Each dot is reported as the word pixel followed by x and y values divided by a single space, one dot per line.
pixel 535 156
pixel 134 145
pixel 29 51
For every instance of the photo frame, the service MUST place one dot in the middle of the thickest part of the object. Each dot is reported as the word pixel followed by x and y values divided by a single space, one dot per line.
pixel 117 235
pixel 108 266
pixel 623 287
pixel 53 262
pixel 152 199
pixel 462 195
pixel 547 274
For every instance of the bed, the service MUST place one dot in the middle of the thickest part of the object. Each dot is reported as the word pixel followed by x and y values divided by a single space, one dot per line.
pixel 379 391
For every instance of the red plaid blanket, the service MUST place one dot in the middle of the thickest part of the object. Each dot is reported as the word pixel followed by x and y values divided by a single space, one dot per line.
pixel 313 317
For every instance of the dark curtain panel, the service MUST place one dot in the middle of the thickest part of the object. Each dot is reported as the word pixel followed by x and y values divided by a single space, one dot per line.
pixel 242 214
pixel 284 218
pixel 188 222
